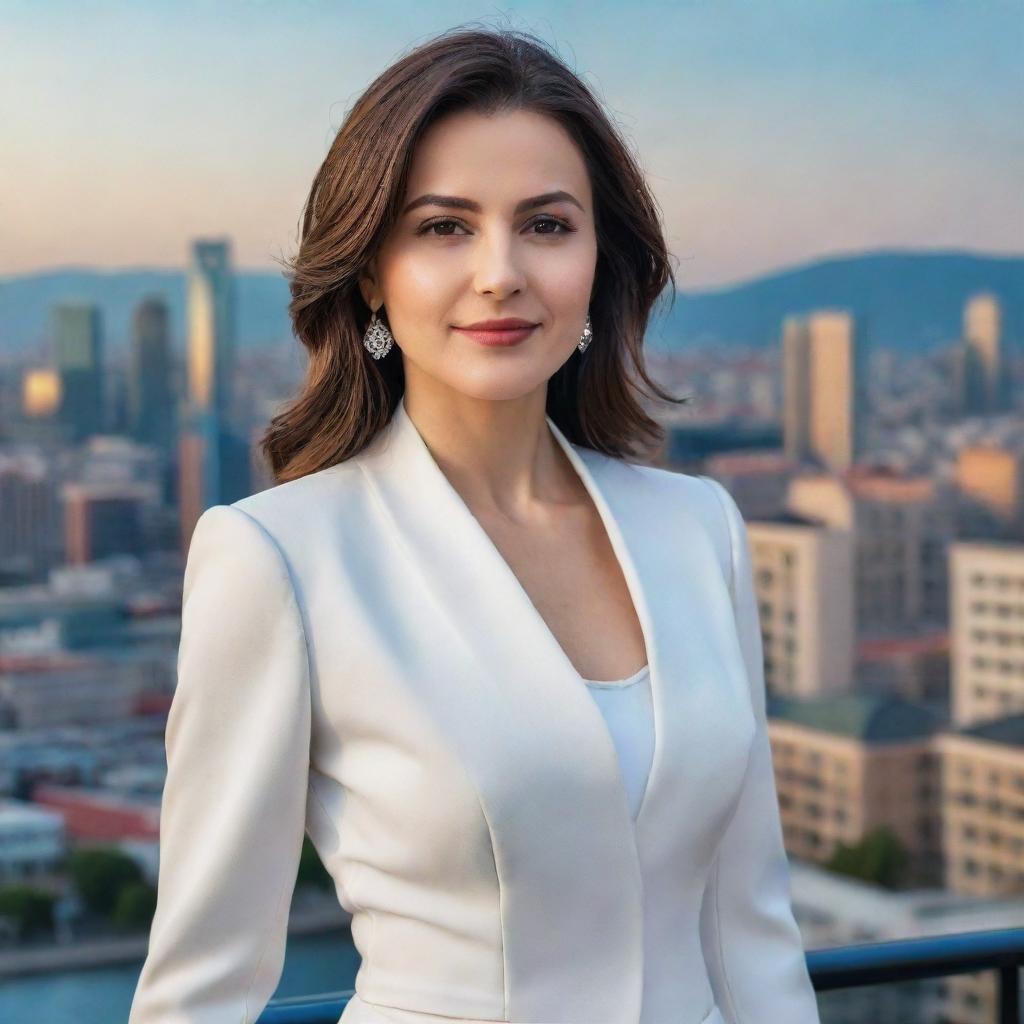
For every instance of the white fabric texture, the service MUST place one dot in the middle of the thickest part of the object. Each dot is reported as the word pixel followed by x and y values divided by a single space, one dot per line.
pixel 629 715
pixel 359 663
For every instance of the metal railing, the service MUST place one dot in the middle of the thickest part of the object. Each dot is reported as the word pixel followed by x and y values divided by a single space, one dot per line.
pixel 872 963
pixel 938 956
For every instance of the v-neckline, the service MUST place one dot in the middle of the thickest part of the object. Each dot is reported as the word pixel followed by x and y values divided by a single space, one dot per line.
pixel 402 421
pixel 603 514
pixel 459 663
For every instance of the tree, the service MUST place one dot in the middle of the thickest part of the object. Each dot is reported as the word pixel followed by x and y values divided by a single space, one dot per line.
pixel 29 908
pixel 99 875
pixel 878 857
pixel 135 906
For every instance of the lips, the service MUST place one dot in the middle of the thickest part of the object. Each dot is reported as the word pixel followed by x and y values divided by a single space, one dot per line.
pixel 506 336
pixel 509 323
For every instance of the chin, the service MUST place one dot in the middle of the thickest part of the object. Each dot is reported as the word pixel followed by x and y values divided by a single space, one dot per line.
pixel 499 387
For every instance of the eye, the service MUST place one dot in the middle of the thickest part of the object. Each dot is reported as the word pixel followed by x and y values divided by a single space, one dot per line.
pixel 564 225
pixel 427 228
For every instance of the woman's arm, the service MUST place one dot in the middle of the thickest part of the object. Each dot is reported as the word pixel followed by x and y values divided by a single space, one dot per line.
pixel 751 941
pixel 232 817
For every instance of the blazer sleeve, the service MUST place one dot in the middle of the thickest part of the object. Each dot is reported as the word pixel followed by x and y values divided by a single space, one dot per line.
pixel 232 814
pixel 751 942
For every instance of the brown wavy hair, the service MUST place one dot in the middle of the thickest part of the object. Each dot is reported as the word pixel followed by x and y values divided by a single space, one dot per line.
pixel 355 198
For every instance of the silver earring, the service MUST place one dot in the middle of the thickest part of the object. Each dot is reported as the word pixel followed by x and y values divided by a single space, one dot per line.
pixel 586 337
pixel 378 339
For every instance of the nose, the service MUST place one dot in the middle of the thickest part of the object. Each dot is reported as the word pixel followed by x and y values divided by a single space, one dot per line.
pixel 498 270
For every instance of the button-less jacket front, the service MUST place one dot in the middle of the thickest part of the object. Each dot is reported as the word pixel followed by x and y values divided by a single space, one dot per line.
pixel 357 660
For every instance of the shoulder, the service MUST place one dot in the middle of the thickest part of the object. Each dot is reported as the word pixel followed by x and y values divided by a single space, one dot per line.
pixel 232 558
pixel 300 509
pixel 278 524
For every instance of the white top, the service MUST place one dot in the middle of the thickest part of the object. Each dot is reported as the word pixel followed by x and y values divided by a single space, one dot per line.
pixel 627 708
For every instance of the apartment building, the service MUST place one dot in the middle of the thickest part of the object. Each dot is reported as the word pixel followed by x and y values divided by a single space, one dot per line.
pixel 849 763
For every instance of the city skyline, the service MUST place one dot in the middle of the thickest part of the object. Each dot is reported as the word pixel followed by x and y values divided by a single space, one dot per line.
pixel 770 137
pixel 840 188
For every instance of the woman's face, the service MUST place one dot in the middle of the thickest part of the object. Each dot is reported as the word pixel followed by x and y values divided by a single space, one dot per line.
pixel 445 266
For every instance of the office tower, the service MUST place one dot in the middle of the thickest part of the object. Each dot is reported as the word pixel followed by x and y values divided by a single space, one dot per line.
pixel 211 327
pixel 214 462
pixel 78 352
pixel 825 388
pixel 151 406
pixel 796 388
pixel 986 630
pixel 901 527
pixel 29 535
pixel 104 519
pixel 984 378
pixel 803 577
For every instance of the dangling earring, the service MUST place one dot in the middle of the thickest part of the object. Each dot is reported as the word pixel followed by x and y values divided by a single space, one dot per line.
pixel 378 339
pixel 586 337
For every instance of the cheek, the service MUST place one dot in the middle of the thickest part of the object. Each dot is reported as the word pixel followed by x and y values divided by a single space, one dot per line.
pixel 563 274
pixel 415 280
pixel 565 280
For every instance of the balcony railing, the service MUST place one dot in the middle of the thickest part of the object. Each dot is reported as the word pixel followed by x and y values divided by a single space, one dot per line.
pixel 939 956
pixel 874 963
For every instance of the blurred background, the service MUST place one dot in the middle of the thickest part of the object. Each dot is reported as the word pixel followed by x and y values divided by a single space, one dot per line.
pixel 842 186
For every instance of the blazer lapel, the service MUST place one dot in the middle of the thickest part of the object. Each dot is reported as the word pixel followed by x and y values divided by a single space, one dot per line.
pixel 570 860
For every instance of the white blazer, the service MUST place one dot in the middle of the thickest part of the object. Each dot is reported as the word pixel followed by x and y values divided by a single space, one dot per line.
pixel 359 662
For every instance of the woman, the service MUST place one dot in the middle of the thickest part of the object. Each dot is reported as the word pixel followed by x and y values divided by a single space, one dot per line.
pixel 409 647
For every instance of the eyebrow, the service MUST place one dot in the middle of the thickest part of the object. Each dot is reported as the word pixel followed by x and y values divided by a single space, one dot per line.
pixel 458 203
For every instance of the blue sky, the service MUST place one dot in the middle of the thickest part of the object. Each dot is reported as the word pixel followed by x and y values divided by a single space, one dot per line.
pixel 772 131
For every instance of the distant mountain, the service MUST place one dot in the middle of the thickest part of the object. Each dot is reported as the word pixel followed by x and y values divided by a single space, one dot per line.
pixel 909 301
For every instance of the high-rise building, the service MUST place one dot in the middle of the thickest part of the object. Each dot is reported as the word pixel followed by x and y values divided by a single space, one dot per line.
pixel 983 779
pixel 804 581
pixel 103 519
pixel 983 846
pixel 29 532
pixel 151 404
pixel 78 354
pixel 803 578
pixel 214 462
pixel 984 380
pixel 825 380
pixel 901 527
pixel 796 388
pixel 211 327
pixel 986 630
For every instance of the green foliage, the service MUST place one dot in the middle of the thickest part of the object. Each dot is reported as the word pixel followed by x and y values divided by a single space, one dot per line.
pixel 99 875
pixel 878 857
pixel 135 905
pixel 31 909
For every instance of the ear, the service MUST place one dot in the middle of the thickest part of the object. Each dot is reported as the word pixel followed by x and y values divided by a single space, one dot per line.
pixel 368 286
